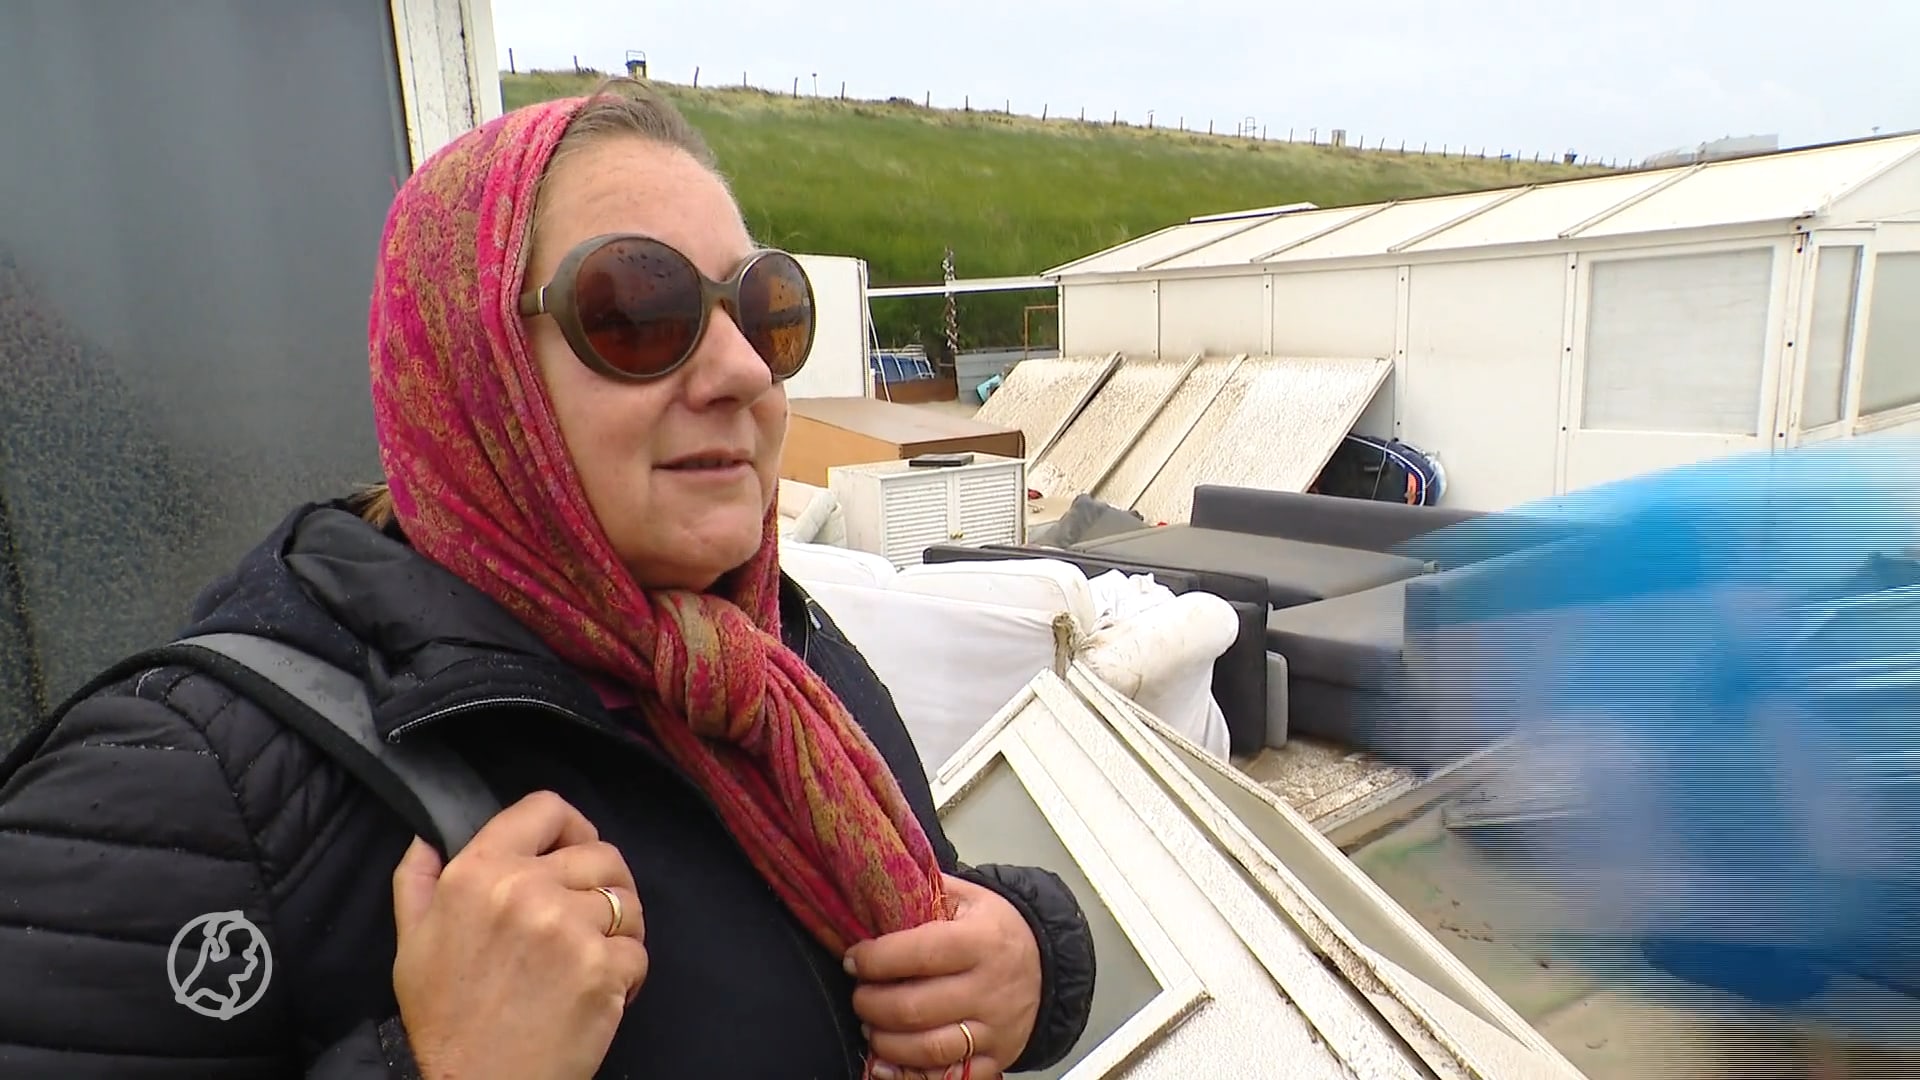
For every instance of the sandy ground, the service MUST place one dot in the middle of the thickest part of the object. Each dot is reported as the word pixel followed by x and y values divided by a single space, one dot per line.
pixel 1661 1030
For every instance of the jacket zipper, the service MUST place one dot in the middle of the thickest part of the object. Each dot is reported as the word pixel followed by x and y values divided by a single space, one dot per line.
pixel 535 704
pixel 800 945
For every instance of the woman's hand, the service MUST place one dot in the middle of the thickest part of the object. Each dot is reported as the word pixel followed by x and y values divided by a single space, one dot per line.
pixel 918 986
pixel 509 961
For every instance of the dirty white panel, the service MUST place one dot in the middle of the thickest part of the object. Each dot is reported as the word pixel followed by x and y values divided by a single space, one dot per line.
pixel 1676 361
pixel 1213 315
pixel 483 59
pixel 1335 312
pixel 1273 426
pixel 1144 459
pixel 1241 248
pixel 1212 978
pixel 1101 435
pixel 1830 333
pixel 1374 234
pixel 1141 251
pixel 1678 343
pixel 1890 376
pixel 1039 393
pixel 1107 317
pixel 1891 194
pixel 1341 313
pixel 837 366
pixel 1541 215
pixel 1482 388
pixel 1863 181
pixel 441 78
pixel 1775 187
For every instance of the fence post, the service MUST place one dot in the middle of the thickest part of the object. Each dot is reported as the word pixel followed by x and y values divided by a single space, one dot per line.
pixel 843 89
pixel 696 78
pixel 511 70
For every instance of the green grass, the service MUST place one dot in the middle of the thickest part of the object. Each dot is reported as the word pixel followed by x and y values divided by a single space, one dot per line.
pixel 895 183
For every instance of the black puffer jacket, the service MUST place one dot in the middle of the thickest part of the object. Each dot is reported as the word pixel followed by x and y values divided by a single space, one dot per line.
pixel 168 796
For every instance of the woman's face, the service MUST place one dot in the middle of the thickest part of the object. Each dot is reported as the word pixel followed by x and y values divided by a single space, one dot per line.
pixel 674 525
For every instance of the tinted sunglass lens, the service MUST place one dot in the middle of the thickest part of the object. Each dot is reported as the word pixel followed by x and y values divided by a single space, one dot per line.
pixel 776 312
pixel 639 305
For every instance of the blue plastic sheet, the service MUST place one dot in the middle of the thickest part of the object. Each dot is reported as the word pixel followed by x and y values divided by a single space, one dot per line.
pixel 1719 667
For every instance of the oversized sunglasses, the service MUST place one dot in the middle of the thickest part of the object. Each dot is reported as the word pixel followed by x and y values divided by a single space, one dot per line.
pixel 634 308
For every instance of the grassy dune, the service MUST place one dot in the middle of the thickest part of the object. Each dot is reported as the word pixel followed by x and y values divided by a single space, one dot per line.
pixel 895 183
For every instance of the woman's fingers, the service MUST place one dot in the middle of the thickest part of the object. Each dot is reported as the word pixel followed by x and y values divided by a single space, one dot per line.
pixel 628 959
pixel 537 824
pixel 585 866
pixel 918 1005
pixel 935 1049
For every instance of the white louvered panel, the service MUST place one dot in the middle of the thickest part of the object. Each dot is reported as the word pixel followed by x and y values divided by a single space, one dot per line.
pixel 914 516
pixel 990 502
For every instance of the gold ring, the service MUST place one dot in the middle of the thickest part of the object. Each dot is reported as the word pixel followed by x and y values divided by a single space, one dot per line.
pixel 618 914
pixel 968 1032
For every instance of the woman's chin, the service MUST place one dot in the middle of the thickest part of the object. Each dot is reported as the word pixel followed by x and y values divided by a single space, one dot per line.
pixel 701 552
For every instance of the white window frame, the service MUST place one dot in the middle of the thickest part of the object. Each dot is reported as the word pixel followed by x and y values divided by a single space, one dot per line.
pixel 1794 386
pixel 1225 923
pixel 1898 416
pixel 1778 298
pixel 449 74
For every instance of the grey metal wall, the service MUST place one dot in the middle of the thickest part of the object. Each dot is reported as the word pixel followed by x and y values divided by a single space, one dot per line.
pixel 191 196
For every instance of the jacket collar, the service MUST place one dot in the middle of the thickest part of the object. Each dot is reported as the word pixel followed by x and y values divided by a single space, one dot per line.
pixel 429 646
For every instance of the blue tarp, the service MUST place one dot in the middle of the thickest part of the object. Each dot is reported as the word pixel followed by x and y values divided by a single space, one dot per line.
pixel 896 367
pixel 1723 662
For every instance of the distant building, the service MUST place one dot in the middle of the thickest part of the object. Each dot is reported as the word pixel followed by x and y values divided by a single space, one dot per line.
pixel 1717 150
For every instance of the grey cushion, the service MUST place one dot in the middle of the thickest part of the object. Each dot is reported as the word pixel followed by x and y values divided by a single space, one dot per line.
pixel 1296 572
pixel 1088 519
pixel 1353 640
pixel 1322 519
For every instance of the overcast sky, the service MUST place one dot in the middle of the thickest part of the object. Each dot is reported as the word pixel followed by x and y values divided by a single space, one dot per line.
pixel 1614 79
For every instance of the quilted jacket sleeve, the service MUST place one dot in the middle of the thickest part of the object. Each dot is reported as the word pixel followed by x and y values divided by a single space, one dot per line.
pixel 124 841
pixel 1066 957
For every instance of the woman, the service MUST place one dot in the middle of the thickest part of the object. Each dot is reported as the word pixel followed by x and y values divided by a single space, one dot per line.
pixel 720 856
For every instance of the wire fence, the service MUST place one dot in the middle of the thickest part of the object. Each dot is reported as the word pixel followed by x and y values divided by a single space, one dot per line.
pixel 1247 126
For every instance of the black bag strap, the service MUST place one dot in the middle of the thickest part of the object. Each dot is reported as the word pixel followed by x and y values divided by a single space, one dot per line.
pixel 423 779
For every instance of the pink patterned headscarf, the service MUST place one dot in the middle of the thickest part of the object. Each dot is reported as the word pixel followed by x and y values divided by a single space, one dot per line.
pixel 483 485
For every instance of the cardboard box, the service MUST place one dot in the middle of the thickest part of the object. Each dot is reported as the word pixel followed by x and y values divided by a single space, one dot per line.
pixel 825 432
